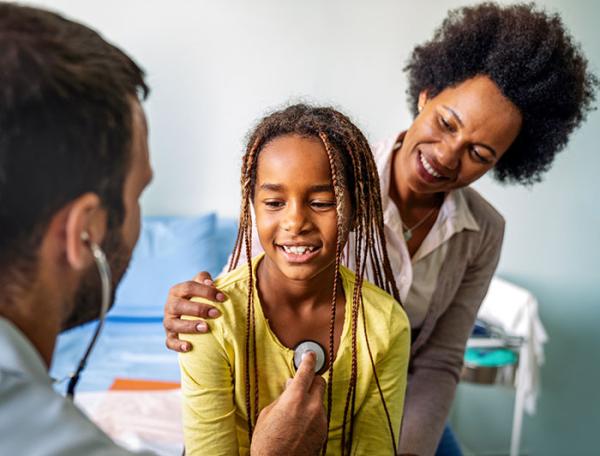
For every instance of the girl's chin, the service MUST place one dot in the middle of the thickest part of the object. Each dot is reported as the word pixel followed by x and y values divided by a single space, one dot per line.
pixel 297 270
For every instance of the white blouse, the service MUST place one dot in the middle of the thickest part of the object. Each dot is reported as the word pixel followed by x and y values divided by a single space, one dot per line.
pixel 416 278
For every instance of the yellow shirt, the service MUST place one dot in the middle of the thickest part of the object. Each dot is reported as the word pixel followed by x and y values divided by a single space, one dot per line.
pixel 213 380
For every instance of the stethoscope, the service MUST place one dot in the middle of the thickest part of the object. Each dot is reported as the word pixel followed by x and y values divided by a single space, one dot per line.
pixel 105 279
pixel 310 346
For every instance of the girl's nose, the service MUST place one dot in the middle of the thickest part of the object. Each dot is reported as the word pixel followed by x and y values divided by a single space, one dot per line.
pixel 294 220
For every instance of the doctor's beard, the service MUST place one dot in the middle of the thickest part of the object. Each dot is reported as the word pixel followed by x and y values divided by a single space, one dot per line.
pixel 88 297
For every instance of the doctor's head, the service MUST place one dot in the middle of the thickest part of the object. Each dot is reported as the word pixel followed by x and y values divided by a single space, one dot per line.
pixel 73 159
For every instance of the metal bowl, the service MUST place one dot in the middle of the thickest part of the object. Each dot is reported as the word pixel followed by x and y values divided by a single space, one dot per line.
pixel 489 375
pixel 490 365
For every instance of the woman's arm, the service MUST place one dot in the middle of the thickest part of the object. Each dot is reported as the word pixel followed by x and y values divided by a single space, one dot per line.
pixel 435 369
pixel 372 431
pixel 208 402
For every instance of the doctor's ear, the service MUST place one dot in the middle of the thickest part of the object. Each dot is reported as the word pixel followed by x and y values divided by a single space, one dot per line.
pixel 85 223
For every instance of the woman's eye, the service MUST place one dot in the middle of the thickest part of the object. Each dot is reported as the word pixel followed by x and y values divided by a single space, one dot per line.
pixel 478 157
pixel 447 125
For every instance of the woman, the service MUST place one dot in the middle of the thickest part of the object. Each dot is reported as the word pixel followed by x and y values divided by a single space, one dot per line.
pixel 485 98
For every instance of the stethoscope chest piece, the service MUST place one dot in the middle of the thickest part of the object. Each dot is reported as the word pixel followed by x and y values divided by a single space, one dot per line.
pixel 306 346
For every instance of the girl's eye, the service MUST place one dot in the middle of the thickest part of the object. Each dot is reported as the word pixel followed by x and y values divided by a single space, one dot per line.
pixel 323 205
pixel 447 125
pixel 271 204
pixel 478 157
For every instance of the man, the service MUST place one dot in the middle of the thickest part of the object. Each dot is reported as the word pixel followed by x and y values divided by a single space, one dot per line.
pixel 73 164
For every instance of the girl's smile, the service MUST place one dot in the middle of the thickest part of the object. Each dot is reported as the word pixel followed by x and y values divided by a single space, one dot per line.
pixel 300 252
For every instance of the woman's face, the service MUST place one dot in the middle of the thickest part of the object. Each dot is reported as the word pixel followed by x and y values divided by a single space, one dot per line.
pixel 458 136
pixel 295 206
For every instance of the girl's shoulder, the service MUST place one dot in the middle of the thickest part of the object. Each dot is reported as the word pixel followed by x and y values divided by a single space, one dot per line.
pixel 234 285
pixel 230 325
pixel 233 278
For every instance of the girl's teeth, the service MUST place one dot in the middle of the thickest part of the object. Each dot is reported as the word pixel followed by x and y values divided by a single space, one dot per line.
pixel 429 168
pixel 298 250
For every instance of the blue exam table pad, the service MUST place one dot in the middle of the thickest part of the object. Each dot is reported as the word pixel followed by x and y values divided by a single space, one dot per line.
pixel 128 347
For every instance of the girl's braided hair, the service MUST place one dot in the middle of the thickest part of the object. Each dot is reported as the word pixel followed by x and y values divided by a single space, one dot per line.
pixel 352 170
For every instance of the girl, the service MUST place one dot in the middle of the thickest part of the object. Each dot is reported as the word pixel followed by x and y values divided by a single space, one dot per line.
pixel 311 178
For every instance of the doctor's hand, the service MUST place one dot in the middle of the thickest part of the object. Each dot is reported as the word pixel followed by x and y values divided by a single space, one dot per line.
pixel 178 304
pixel 295 423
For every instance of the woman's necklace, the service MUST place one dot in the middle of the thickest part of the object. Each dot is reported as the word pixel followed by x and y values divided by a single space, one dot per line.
pixel 408 232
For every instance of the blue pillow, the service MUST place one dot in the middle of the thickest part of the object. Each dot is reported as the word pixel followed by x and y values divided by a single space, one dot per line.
pixel 170 250
pixel 226 232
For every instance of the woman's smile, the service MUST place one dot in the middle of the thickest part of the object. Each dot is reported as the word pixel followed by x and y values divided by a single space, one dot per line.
pixel 458 136
pixel 428 171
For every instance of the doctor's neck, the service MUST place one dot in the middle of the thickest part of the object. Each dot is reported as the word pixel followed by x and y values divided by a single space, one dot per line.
pixel 38 320
pixel 39 309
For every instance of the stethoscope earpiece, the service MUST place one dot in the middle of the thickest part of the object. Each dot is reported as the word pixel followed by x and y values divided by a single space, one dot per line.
pixel 310 346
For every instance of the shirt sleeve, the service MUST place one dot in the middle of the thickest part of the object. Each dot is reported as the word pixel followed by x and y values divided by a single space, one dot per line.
pixel 35 420
pixel 371 424
pixel 208 398
pixel 436 367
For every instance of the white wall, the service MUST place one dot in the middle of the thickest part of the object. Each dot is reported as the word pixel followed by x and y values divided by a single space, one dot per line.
pixel 216 66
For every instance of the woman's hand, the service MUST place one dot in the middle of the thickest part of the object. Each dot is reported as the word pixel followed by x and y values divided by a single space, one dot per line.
pixel 178 304
pixel 295 424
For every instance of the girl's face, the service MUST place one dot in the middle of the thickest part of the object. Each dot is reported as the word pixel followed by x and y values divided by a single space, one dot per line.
pixel 294 203
pixel 458 136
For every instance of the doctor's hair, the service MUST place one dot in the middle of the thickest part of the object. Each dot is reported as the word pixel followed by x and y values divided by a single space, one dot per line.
pixel 531 57
pixel 66 110
pixel 353 172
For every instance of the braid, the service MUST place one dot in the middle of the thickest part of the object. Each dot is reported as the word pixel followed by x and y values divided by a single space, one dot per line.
pixel 244 238
pixel 252 326
pixel 368 216
pixel 339 197
pixel 348 407
pixel 246 182
pixel 385 408
pixel 249 332
pixel 390 286
pixel 249 191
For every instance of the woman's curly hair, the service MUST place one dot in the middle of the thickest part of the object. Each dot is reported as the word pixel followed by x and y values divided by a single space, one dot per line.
pixel 534 61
